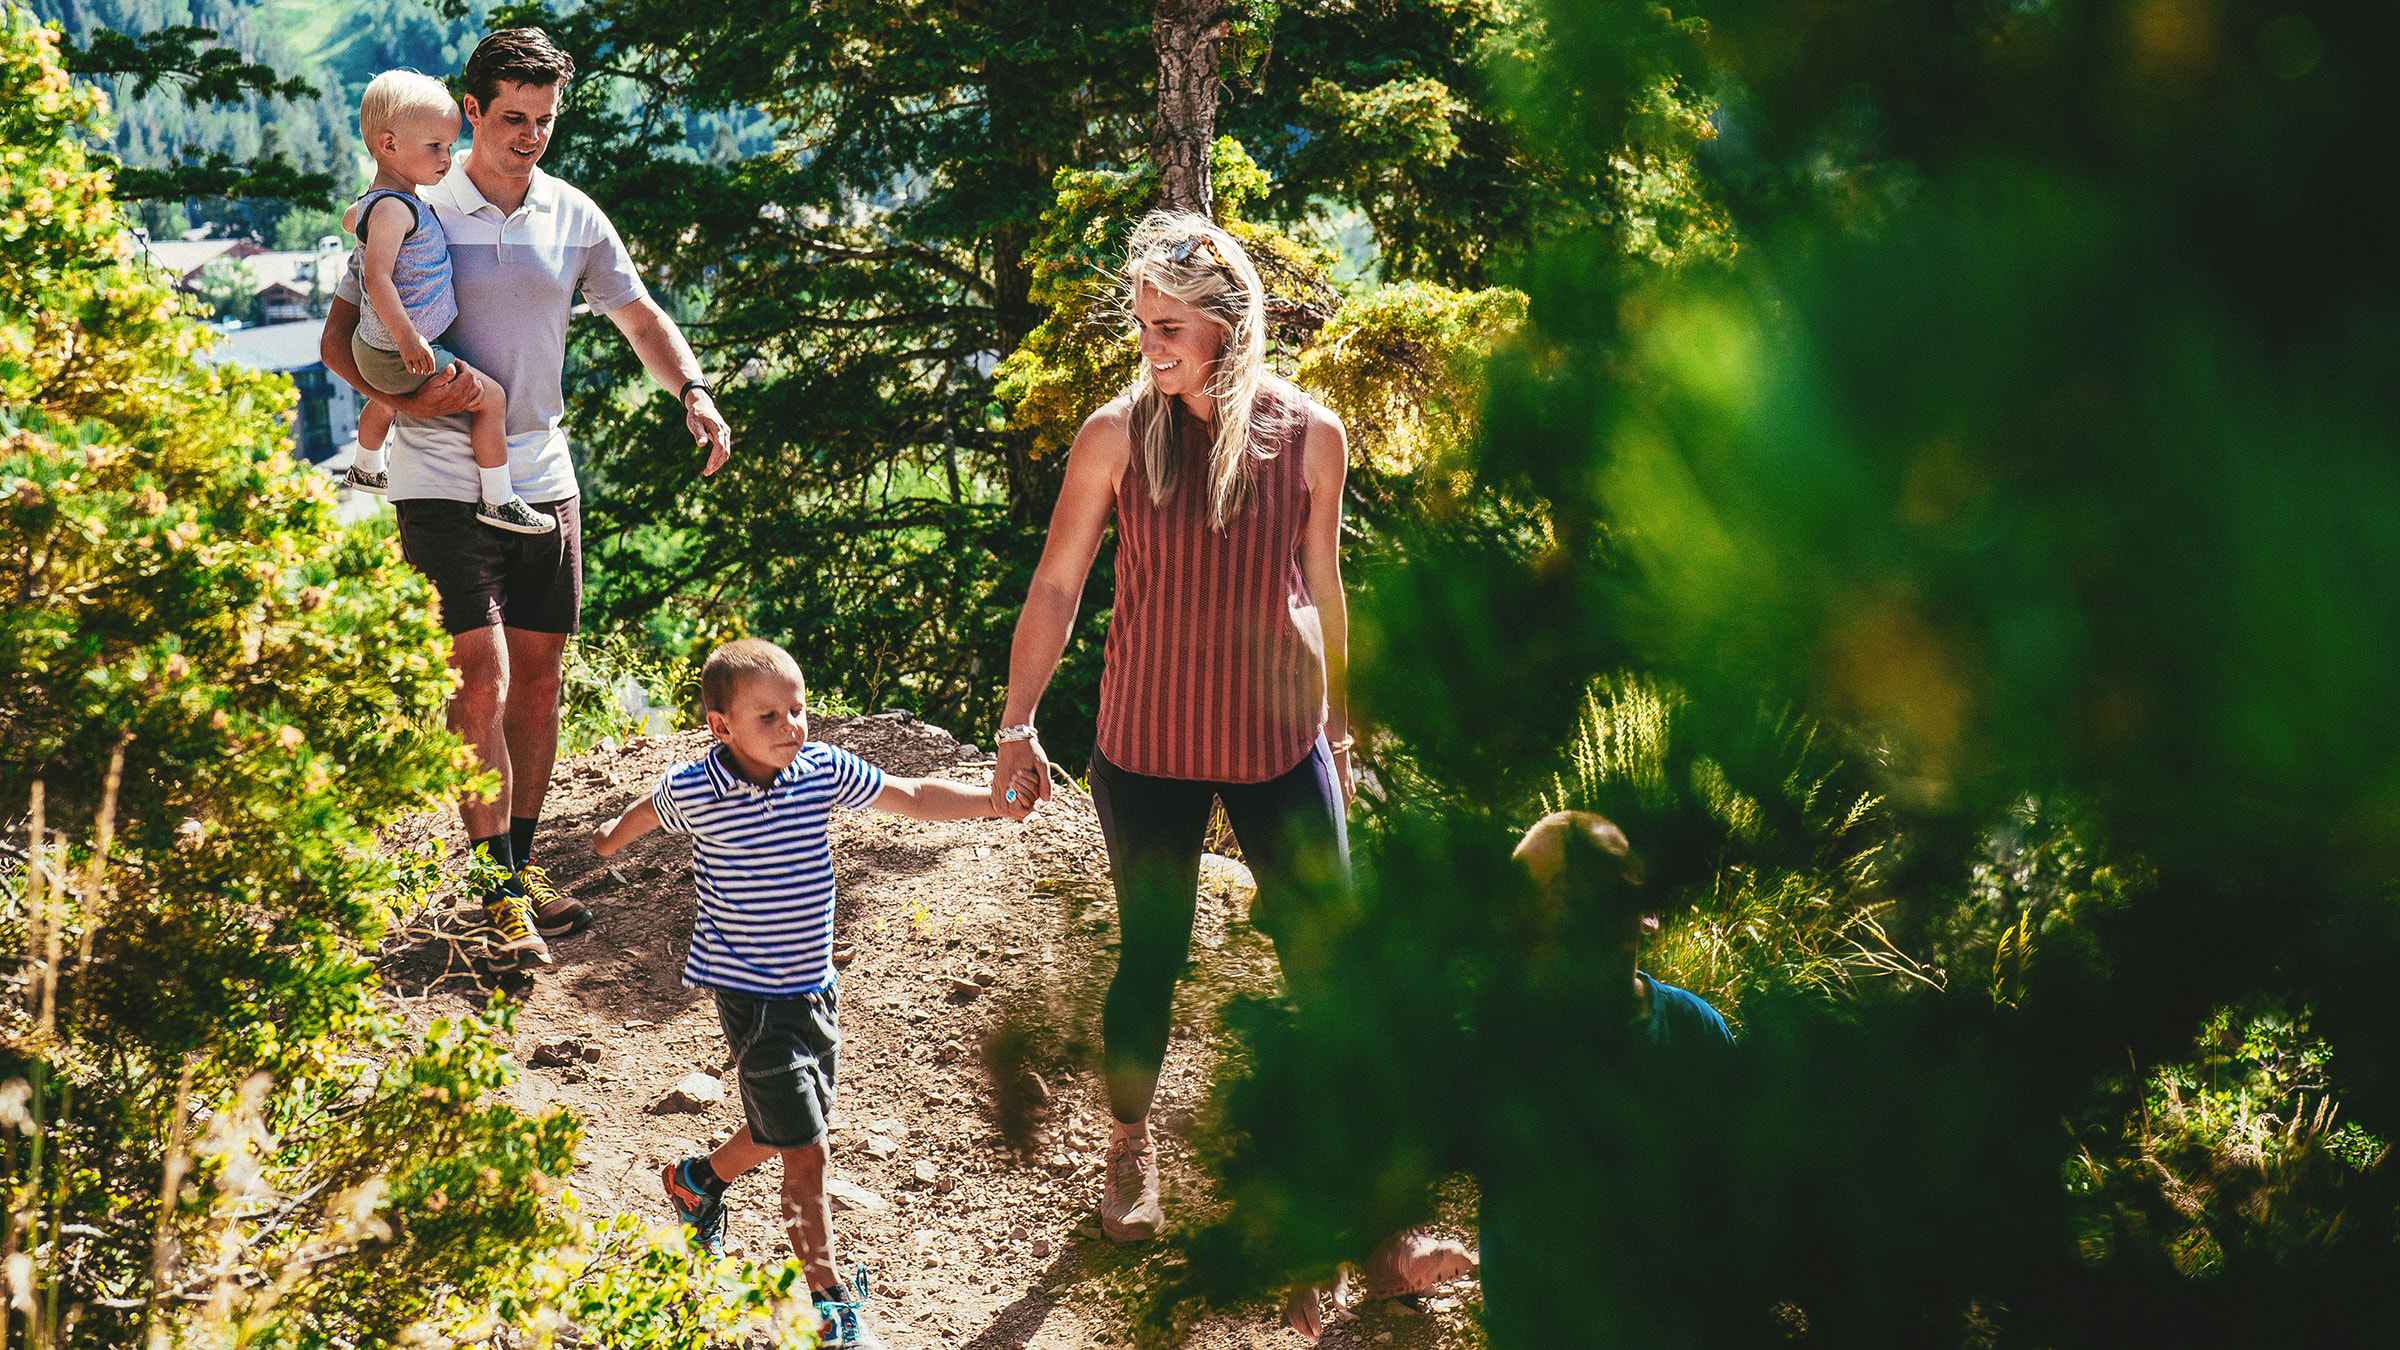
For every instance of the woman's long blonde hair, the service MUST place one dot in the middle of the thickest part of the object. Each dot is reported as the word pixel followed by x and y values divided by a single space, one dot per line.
pixel 1223 285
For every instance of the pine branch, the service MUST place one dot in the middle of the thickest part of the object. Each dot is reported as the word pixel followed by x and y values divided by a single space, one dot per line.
pixel 221 175
pixel 208 74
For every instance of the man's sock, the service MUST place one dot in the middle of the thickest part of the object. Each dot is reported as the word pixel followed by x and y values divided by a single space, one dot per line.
pixel 520 838
pixel 837 1292
pixel 370 461
pixel 702 1173
pixel 496 486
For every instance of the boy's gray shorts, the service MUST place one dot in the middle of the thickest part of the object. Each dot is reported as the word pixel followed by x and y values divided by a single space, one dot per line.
pixel 784 1052
pixel 387 373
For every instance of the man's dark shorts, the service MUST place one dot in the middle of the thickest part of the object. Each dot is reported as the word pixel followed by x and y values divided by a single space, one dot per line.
pixel 487 576
pixel 784 1052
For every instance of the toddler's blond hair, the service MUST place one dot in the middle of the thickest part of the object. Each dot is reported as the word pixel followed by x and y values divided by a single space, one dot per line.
pixel 397 95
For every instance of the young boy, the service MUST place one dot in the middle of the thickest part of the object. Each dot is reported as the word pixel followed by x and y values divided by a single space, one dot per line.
pixel 756 807
pixel 403 266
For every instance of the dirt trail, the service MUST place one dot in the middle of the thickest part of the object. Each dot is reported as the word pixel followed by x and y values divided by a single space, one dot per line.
pixel 955 929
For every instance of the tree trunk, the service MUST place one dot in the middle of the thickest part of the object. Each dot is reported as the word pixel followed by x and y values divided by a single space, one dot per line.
pixel 1191 38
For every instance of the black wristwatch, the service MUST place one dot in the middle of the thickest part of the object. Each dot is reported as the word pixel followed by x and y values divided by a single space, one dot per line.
pixel 690 385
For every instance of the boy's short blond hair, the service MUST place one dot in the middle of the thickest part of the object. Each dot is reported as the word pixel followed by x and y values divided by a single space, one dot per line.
pixel 737 661
pixel 397 95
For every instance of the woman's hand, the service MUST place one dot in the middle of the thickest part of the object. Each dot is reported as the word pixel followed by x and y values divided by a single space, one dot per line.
pixel 1024 769
pixel 1346 776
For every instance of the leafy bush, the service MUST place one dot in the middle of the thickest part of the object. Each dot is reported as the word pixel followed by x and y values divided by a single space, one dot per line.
pixel 2238 1152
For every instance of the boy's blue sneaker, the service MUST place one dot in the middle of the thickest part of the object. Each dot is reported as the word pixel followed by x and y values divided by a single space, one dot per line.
pixel 847 1323
pixel 702 1213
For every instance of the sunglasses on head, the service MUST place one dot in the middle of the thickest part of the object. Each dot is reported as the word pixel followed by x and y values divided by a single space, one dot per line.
pixel 1182 250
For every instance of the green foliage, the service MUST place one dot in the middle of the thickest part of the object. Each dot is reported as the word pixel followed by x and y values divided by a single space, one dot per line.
pixel 1772 885
pixel 1403 366
pixel 175 55
pixel 2233 1154
pixel 1389 108
pixel 2037 884
pixel 219 175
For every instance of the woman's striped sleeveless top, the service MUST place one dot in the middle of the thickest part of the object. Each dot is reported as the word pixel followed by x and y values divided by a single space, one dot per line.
pixel 1215 666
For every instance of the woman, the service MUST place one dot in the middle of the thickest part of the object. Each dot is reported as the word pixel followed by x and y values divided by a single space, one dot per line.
pixel 1226 651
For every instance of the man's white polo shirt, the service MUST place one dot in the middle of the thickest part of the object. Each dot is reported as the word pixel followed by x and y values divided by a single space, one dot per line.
pixel 516 274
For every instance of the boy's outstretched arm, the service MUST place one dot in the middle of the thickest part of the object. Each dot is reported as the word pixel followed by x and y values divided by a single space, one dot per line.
pixel 941 799
pixel 639 819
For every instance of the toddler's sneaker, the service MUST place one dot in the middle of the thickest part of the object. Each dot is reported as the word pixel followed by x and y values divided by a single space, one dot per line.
pixel 848 1325
pixel 513 940
pixel 373 484
pixel 515 517
pixel 703 1214
pixel 554 915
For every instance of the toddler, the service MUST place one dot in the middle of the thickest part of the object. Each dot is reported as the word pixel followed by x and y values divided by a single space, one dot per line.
pixel 402 266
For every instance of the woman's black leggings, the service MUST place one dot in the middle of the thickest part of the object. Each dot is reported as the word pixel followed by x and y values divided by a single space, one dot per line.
pixel 1295 837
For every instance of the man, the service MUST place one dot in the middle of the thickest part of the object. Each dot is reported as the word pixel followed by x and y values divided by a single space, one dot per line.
pixel 1605 1108
pixel 522 245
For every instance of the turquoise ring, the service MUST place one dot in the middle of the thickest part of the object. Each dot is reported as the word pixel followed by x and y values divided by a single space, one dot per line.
pixel 1012 795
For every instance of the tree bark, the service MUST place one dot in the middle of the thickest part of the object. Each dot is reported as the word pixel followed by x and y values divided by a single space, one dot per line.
pixel 1191 40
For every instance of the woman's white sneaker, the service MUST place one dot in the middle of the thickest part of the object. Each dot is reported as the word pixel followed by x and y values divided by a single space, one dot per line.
pixel 516 517
pixel 1129 1209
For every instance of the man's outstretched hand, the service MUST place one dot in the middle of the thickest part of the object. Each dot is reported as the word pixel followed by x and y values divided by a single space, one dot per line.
pixel 708 428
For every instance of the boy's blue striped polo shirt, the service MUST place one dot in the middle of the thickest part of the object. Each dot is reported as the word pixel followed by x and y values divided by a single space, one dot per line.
pixel 763 866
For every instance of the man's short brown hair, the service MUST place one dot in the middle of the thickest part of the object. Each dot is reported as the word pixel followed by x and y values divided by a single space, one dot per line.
pixel 737 661
pixel 515 56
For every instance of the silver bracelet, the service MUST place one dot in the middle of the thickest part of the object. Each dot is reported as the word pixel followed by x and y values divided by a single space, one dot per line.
pixel 1022 731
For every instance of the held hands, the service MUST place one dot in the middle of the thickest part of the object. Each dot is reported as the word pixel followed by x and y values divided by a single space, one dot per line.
pixel 1024 770
pixel 1014 799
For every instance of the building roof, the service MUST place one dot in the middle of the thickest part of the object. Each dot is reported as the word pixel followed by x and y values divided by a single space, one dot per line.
pixel 276 346
pixel 186 256
pixel 296 267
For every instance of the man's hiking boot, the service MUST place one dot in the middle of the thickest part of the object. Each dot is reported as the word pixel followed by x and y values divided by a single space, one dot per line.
pixel 513 941
pixel 1129 1210
pixel 848 1325
pixel 554 915
pixel 373 484
pixel 703 1214
pixel 515 517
